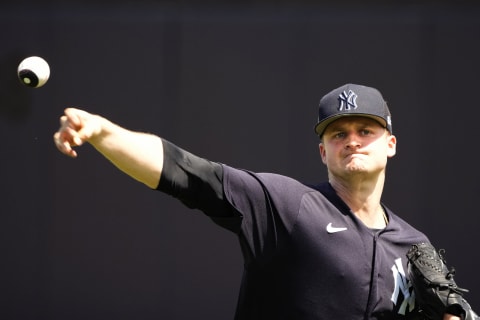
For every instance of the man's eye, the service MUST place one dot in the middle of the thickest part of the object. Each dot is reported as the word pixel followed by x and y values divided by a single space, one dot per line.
pixel 365 132
pixel 339 135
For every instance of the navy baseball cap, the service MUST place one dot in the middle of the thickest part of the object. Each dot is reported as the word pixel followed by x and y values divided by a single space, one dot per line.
pixel 352 100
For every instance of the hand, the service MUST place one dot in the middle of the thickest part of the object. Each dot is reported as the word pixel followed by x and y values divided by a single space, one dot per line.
pixel 76 127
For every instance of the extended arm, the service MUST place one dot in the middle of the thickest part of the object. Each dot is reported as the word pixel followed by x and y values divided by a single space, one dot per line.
pixel 138 154
pixel 195 181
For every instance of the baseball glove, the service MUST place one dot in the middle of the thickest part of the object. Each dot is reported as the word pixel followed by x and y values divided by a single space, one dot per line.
pixel 436 292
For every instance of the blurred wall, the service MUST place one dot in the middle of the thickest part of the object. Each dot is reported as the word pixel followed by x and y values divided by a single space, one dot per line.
pixel 235 84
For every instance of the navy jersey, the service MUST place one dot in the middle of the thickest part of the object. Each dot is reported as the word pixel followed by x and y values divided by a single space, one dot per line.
pixel 307 256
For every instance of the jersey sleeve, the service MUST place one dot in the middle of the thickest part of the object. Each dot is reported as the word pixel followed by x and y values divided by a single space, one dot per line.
pixel 197 183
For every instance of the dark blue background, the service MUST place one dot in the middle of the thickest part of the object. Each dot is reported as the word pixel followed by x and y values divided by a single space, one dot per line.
pixel 234 83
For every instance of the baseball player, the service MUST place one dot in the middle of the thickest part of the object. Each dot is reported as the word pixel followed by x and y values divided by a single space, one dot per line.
pixel 326 251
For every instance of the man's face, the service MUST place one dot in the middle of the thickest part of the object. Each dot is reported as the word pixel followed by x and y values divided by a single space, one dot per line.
pixel 356 144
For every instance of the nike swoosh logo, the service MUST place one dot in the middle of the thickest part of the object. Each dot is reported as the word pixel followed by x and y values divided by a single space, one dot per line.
pixel 332 229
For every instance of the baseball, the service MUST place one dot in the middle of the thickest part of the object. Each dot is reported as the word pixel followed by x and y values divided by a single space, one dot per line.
pixel 33 71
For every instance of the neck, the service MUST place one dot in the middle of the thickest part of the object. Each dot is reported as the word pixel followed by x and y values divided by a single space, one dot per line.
pixel 363 198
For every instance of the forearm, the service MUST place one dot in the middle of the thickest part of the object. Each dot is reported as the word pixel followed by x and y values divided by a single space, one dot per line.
pixel 138 154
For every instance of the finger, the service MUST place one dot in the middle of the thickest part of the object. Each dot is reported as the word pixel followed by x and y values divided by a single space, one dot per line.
pixel 72 128
pixel 81 122
pixel 66 125
pixel 74 137
pixel 66 132
pixel 63 120
pixel 73 118
pixel 63 145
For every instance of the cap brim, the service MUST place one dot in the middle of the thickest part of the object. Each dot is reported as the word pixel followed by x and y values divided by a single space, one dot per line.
pixel 322 125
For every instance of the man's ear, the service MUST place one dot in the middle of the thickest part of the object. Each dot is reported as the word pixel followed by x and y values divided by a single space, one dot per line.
pixel 323 153
pixel 392 146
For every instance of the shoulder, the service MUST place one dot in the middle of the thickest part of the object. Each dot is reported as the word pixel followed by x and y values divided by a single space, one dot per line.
pixel 264 180
pixel 260 189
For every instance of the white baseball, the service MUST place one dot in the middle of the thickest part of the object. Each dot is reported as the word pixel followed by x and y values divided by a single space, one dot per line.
pixel 33 71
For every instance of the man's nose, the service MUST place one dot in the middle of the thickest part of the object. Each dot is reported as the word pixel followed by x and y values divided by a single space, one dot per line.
pixel 353 141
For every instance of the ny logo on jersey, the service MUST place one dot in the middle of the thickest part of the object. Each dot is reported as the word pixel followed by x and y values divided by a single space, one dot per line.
pixel 348 101
pixel 402 285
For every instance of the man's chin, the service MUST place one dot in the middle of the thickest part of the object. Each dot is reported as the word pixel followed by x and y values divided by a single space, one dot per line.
pixel 355 165
pixel 356 169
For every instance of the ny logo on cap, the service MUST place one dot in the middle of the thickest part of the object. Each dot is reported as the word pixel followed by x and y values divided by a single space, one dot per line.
pixel 347 101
